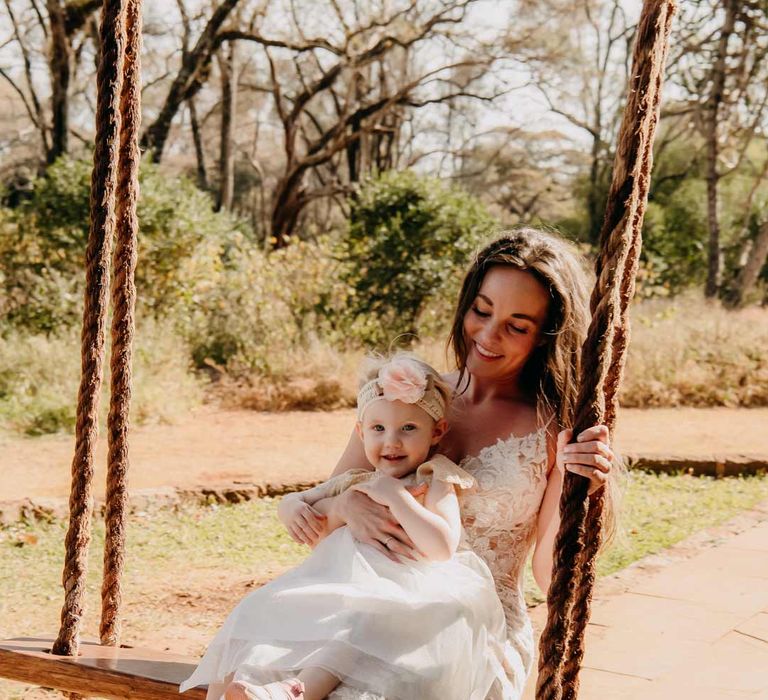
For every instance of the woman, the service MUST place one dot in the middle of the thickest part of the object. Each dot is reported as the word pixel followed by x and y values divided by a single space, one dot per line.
pixel 517 333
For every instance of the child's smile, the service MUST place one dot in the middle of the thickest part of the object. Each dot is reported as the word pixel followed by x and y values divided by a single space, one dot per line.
pixel 397 436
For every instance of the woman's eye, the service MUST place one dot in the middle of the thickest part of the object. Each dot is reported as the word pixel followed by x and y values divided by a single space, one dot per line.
pixel 515 329
pixel 482 314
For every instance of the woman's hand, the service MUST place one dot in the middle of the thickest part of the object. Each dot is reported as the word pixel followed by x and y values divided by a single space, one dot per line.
pixel 371 523
pixel 304 524
pixel 590 456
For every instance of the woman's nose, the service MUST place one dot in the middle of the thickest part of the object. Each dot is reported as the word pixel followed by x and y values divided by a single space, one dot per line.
pixel 490 333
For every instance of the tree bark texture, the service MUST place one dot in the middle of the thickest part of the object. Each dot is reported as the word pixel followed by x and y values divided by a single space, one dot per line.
pixel 756 259
pixel 202 173
pixel 59 63
pixel 714 256
pixel 228 68
pixel 188 81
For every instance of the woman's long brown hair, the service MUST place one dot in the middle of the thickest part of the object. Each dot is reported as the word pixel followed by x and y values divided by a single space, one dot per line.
pixel 551 374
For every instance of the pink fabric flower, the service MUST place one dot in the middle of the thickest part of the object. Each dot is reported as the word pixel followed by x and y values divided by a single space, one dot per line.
pixel 402 380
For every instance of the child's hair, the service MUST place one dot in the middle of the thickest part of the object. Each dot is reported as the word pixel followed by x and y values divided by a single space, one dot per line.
pixel 552 372
pixel 373 364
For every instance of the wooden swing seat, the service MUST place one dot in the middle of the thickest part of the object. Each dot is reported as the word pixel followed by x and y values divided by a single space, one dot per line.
pixel 102 671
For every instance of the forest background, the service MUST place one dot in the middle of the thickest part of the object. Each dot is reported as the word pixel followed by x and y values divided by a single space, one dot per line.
pixel 316 175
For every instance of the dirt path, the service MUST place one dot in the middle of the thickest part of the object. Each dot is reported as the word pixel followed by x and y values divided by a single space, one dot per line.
pixel 214 447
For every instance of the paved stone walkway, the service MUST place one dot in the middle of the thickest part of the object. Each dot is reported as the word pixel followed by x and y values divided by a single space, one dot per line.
pixel 692 623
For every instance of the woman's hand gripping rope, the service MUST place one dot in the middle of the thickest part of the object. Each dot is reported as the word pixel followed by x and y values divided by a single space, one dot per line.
pixel 590 456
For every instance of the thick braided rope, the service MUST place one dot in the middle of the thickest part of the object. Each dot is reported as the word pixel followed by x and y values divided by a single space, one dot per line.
pixel 94 322
pixel 634 157
pixel 123 304
pixel 561 647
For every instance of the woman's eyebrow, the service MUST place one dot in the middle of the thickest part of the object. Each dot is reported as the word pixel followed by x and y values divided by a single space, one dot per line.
pixel 518 315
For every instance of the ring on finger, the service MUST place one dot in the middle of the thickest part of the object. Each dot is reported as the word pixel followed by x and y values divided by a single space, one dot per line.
pixel 386 542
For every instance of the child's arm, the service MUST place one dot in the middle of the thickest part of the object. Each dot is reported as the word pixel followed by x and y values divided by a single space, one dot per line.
pixel 435 527
pixel 303 522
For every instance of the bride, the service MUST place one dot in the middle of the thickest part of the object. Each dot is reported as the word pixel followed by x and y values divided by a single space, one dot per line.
pixel 517 333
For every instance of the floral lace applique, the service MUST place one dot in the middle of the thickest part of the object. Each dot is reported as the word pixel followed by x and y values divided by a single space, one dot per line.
pixel 500 517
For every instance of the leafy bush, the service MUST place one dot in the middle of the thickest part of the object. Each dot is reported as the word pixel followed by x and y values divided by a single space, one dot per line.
pixel 260 309
pixel 408 240
pixel 42 245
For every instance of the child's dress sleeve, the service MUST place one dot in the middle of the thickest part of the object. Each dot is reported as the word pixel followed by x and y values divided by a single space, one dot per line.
pixel 443 469
pixel 341 482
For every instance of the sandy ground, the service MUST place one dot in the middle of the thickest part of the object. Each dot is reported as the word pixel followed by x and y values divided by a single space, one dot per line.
pixel 214 446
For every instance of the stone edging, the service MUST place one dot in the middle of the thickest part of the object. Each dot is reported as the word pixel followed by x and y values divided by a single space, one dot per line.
pixel 712 465
pixel 234 492
pixel 239 491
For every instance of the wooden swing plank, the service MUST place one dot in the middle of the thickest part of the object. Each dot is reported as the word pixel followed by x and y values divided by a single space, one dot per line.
pixel 103 671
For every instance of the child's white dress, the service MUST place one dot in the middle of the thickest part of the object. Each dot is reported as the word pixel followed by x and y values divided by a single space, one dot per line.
pixel 426 630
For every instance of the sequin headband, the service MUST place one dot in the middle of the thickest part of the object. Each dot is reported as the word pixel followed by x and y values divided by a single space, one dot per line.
pixel 402 380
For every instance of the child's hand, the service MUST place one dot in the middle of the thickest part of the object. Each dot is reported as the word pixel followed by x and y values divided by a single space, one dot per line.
pixel 383 489
pixel 304 524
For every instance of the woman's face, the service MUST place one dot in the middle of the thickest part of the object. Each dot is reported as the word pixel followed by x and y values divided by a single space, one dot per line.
pixel 505 322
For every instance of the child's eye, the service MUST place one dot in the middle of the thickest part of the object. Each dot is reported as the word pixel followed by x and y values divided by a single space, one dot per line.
pixel 409 427
pixel 482 314
pixel 378 427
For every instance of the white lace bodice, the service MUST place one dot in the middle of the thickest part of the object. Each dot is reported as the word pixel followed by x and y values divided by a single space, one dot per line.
pixel 500 519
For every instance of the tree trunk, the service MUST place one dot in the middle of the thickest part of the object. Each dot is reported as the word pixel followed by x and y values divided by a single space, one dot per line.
pixel 188 81
pixel 59 65
pixel 202 175
pixel 289 203
pixel 228 68
pixel 756 259
pixel 714 266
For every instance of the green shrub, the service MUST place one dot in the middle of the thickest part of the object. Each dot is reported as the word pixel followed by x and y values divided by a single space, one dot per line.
pixel 42 245
pixel 263 310
pixel 408 240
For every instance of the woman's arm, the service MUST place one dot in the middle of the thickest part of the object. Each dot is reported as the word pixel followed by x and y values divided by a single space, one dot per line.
pixel 434 527
pixel 548 522
pixel 369 522
pixel 590 457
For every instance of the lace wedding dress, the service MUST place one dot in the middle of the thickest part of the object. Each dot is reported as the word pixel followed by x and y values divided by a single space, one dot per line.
pixel 500 526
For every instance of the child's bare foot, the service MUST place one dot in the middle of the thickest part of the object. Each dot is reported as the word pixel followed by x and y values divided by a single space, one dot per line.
pixel 291 689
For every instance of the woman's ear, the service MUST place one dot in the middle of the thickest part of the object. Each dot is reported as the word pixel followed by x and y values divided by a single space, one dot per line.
pixel 439 431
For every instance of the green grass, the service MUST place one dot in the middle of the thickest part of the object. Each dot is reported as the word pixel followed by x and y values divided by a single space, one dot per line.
pixel 661 509
pixel 174 554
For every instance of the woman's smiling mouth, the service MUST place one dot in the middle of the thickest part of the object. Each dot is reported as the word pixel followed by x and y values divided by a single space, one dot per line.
pixel 485 353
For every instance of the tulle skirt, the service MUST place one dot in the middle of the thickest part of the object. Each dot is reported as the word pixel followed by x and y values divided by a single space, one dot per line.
pixel 427 630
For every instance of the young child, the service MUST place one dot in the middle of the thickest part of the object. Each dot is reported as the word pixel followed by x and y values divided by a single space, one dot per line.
pixel 431 629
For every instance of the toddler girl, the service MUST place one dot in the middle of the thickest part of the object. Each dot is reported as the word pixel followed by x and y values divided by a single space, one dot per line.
pixel 431 629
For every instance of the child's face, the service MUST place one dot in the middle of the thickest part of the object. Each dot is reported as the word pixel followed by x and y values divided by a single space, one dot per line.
pixel 397 436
